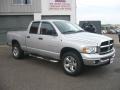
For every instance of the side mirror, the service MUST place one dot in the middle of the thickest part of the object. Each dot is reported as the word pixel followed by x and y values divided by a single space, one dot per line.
pixel 55 34
pixel 52 33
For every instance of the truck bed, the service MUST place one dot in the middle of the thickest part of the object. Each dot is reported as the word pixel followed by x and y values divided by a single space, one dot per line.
pixel 16 35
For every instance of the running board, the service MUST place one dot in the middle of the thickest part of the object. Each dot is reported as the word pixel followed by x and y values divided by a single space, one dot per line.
pixel 49 60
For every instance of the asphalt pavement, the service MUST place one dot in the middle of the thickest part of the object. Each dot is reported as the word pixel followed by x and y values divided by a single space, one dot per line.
pixel 36 74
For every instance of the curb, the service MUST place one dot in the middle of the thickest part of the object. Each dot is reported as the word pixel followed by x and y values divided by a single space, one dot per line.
pixel 3 46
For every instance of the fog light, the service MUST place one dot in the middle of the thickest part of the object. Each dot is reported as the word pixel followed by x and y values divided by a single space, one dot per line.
pixel 96 61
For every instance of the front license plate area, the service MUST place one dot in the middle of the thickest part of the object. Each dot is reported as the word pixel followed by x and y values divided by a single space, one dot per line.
pixel 108 59
pixel 111 60
pixel 105 60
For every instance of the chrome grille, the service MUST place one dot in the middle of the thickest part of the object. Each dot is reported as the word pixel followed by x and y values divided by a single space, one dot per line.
pixel 106 47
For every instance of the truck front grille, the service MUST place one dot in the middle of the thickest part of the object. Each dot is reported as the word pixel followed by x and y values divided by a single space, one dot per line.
pixel 106 47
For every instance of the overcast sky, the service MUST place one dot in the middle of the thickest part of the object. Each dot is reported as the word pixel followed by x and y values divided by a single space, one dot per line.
pixel 108 11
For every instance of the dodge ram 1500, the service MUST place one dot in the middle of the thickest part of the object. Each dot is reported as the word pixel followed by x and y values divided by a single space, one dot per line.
pixel 62 41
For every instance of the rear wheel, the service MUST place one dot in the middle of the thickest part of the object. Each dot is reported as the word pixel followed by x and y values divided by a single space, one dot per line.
pixel 72 63
pixel 17 51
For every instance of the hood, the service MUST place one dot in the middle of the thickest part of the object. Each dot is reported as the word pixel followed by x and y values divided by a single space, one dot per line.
pixel 86 38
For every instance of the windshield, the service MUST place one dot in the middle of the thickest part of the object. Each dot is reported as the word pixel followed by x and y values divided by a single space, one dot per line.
pixel 66 27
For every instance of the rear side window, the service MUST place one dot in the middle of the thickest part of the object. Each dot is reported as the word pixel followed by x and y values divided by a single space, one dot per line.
pixel 34 28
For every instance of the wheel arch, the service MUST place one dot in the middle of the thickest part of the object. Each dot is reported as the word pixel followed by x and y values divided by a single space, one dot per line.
pixel 68 49
pixel 20 52
pixel 15 42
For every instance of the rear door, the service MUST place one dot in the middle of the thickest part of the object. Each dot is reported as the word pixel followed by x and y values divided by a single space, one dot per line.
pixel 32 40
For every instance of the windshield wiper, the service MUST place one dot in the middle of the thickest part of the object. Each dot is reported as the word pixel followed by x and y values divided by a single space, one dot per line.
pixel 81 31
pixel 69 32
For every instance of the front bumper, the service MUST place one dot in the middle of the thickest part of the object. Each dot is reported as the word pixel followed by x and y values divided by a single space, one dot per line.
pixel 96 59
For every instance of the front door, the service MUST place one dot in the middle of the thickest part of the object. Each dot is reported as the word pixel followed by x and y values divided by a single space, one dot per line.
pixel 50 41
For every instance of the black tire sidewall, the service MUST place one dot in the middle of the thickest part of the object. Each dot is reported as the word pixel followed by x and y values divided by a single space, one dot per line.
pixel 78 60
pixel 20 52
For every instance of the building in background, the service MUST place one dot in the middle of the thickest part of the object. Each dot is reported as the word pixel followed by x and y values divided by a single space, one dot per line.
pixel 16 14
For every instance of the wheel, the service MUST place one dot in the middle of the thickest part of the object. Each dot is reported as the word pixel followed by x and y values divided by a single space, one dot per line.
pixel 72 63
pixel 17 51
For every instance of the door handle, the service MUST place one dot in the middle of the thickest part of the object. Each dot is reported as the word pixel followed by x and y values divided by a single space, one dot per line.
pixel 40 38
pixel 28 36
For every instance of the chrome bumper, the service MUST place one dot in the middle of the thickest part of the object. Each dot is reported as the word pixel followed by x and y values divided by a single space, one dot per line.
pixel 96 59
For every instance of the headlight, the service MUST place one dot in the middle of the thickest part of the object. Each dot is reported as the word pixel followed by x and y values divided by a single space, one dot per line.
pixel 90 50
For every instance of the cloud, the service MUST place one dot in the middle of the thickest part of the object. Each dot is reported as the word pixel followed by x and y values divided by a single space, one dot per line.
pixel 108 11
pixel 98 3
pixel 105 18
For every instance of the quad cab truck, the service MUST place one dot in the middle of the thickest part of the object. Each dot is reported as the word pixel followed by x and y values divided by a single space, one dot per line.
pixel 59 40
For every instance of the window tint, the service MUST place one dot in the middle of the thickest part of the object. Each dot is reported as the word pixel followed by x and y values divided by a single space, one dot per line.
pixel 66 27
pixel 47 29
pixel 17 1
pixel 27 1
pixel 34 27
pixel 22 1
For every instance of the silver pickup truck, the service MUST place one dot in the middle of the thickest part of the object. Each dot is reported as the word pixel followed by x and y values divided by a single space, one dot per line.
pixel 62 41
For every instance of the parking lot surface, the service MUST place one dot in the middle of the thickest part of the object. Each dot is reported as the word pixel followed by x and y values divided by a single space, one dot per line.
pixel 35 74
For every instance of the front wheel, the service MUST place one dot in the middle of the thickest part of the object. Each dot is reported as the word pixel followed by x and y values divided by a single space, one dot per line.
pixel 72 63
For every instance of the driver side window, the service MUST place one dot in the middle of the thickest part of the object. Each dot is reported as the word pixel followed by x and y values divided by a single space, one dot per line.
pixel 47 29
